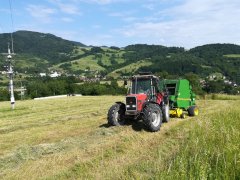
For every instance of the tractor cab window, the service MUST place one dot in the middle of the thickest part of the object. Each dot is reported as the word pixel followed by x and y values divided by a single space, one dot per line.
pixel 155 85
pixel 141 86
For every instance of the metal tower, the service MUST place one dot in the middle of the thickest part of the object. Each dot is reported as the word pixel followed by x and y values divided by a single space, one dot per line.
pixel 10 74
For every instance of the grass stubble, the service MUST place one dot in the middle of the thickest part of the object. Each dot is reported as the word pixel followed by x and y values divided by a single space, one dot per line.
pixel 69 139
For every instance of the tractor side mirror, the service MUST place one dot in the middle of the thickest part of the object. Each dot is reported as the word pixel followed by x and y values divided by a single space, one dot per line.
pixel 125 82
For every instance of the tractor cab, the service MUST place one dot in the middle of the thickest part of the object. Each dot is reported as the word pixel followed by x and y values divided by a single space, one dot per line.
pixel 144 84
pixel 144 88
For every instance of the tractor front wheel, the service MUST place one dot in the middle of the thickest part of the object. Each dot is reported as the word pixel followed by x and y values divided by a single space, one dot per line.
pixel 193 111
pixel 152 117
pixel 116 115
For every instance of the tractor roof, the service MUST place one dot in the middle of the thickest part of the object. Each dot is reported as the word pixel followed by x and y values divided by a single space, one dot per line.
pixel 144 76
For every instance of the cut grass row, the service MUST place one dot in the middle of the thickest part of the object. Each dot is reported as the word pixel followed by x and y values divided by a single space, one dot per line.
pixel 221 97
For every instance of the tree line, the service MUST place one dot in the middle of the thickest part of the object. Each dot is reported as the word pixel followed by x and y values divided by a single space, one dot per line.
pixel 41 87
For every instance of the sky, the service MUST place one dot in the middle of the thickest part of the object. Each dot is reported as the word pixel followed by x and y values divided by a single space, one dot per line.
pixel 182 23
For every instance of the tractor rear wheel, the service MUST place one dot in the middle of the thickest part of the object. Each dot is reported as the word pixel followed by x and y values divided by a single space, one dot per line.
pixel 165 111
pixel 116 115
pixel 152 117
pixel 193 111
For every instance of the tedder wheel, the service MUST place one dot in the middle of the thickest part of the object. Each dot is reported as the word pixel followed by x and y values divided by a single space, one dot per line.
pixel 116 115
pixel 193 111
pixel 165 111
pixel 183 116
pixel 152 117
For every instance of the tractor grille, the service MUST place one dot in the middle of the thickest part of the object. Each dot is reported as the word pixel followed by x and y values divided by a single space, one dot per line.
pixel 131 103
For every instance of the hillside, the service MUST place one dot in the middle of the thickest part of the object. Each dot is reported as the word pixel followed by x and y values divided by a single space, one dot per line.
pixel 40 45
pixel 39 52
pixel 215 50
pixel 65 139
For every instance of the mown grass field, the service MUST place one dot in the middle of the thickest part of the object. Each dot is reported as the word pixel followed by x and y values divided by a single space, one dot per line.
pixel 232 55
pixel 69 139
pixel 130 68
pixel 91 61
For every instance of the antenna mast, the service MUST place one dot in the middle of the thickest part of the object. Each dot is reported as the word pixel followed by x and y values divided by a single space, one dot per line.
pixel 10 73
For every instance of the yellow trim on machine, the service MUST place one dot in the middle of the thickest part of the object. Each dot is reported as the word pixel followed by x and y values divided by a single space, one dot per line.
pixel 176 112
pixel 183 99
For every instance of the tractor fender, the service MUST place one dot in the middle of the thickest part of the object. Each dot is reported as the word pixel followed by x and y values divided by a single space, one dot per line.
pixel 148 102
pixel 121 103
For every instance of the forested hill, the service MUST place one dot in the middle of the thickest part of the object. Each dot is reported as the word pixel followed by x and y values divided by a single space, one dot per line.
pixel 46 46
pixel 215 50
pixel 39 52
pixel 201 60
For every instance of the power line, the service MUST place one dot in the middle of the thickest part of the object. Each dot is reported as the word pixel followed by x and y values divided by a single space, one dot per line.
pixel 10 6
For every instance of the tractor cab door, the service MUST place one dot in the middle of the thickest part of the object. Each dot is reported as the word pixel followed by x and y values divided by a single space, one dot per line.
pixel 158 93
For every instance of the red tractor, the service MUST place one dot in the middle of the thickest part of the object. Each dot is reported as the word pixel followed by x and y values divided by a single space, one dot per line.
pixel 146 100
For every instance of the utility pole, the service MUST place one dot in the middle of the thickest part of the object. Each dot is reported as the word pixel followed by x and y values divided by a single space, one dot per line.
pixel 10 74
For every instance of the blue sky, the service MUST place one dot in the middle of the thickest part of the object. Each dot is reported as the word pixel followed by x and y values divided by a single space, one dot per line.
pixel 185 23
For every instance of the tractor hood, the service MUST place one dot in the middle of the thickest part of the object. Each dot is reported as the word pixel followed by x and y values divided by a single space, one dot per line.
pixel 134 102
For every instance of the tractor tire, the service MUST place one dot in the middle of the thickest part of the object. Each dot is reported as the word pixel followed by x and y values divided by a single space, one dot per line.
pixel 193 111
pixel 116 115
pixel 166 113
pixel 152 117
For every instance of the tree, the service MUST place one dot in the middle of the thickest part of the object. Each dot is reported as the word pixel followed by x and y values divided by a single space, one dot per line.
pixel 215 86
pixel 195 82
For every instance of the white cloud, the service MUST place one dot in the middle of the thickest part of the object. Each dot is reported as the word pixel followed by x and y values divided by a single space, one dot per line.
pixel 149 6
pixel 130 19
pixel 96 26
pixel 192 23
pixel 5 10
pixel 68 8
pixel 96 39
pixel 127 16
pixel 41 13
pixel 66 19
pixel 66 34
pixel 102 2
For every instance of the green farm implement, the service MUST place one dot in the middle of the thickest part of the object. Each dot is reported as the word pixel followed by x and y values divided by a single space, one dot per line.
pixel 181 98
